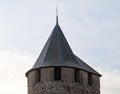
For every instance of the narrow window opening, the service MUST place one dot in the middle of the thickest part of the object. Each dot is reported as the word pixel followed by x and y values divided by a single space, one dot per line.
pixel 38 75
pixel 57 73
pixel 77 75
pixel 81 78
pixel 89 79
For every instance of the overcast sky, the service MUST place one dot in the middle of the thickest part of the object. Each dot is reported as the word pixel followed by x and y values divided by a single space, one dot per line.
pixel 92 28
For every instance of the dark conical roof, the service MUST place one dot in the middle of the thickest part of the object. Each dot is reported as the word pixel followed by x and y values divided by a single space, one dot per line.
pixel 57 52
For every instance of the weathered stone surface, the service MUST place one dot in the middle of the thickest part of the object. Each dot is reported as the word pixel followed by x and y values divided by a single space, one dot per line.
pixel 67 74
pixel 47 74
pixel 67 85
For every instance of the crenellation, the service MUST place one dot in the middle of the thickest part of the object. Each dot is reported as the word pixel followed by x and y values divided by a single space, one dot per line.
pixel 84 77
pixel 67 74
pixel 32 78
pixel 65 86
pixel 96 82
pixel 47 74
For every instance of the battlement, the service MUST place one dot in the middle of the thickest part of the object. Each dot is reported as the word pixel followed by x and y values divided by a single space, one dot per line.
pixel 44 80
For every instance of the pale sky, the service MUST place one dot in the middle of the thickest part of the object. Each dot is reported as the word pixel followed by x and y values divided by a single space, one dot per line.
pixel 92 28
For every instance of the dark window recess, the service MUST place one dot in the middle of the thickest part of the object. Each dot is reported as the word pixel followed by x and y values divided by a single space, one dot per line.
pixel 81 78
pixel 77 75
pixel 57 73
pixel 90 79
pixel 38 75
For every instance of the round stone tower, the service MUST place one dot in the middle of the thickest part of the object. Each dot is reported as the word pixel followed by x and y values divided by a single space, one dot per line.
pixel 58 71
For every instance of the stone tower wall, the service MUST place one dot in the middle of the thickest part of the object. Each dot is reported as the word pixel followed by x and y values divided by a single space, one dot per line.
pixel 47 74
pixel 67 74
pixel 67 85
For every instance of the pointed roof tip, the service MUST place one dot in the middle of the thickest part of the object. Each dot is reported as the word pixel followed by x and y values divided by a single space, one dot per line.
pixel 57 52
pixel 56 15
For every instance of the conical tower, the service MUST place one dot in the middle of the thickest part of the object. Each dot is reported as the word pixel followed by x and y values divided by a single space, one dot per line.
pixel 58 71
